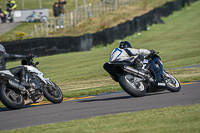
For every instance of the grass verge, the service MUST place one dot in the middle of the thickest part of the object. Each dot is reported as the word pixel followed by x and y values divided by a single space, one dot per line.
pixel 179 119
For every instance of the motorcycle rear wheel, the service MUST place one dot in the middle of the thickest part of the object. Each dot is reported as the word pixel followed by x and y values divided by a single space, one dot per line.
pixel 53 94
pixel 173 84
pixel 10 97
pixel 127 84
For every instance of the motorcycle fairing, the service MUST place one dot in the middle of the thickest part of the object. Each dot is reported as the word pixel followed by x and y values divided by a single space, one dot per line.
pixel 39 73
pixel 157 70
pixel 120 63
pixel 6 74
pixel 114 68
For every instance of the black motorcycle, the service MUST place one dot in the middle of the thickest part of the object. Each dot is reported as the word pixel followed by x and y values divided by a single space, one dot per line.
pixel 139 75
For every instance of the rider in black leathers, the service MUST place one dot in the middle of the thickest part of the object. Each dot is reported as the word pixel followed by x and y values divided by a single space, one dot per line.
pixel 20 70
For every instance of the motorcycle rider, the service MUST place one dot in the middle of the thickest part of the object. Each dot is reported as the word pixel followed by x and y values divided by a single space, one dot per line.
pixel 20 70
pixel 125 51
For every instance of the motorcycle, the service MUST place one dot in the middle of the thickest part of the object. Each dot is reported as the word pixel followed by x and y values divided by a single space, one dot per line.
pixel 14 96
pixel 140 75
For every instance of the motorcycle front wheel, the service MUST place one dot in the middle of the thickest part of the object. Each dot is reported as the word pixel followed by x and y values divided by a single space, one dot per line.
pixel 129 84
pixel 173 84
pixel 53 93
pixel 10 97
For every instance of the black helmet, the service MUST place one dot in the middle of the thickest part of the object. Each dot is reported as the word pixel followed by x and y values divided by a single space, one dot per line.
pixel 125 44
pixel 2 49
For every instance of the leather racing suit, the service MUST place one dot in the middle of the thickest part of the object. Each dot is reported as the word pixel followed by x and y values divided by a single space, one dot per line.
pixel 119 54
pixel 19 71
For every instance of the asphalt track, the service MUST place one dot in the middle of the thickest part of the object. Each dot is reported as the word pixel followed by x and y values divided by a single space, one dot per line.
pixel 4 27
pixel 90 106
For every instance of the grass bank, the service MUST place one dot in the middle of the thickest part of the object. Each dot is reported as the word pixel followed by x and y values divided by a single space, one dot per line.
pixel 179 119
pixel 93 25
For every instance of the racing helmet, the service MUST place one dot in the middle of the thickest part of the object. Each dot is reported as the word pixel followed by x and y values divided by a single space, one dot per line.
pixel 124 44
pixel 2 49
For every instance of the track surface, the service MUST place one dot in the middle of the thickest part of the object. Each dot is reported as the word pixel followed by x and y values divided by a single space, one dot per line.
pixel 4 27
pixel 111 103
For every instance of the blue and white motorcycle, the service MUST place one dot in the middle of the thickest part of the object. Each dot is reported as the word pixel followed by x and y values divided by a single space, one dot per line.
pixel 14 96
pixel 138 75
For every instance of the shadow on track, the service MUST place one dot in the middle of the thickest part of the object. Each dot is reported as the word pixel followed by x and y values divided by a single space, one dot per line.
pixel 93 100
pixel 122 97
pixel 107 99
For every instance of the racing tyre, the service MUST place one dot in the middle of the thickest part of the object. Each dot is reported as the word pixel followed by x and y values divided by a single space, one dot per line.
pixel 173 84
pixel 10 97
pixel 53 93
pixel 129 84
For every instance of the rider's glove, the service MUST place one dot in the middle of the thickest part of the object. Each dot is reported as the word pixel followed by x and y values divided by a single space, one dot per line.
pixel 152 52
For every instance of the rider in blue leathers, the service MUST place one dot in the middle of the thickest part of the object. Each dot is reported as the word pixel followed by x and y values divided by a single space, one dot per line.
pixel 125 51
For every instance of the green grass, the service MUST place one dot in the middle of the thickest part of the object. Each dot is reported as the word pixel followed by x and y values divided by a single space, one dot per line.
pixel 177 41
pixel 177 119
pixel 187 74
pixel 82 74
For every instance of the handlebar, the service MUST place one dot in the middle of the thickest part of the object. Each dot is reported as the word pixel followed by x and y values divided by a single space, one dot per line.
pixel 153 55
pixel 29 60
pixel 31 56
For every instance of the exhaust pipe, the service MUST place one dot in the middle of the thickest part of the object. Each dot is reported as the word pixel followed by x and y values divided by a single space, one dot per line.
pixel 135 71
pixel 16 85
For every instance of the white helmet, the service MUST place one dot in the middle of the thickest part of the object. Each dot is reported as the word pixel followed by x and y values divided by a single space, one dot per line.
pixel 2 48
